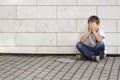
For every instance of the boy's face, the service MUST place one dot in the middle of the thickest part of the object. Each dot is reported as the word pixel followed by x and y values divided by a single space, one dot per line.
pixel 93 25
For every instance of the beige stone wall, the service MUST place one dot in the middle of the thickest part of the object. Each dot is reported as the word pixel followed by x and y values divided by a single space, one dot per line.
pixel 55 26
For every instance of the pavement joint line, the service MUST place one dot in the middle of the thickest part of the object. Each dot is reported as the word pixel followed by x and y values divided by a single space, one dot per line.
pixel 26 70
pixel 107 62
pixel 77 69
pixel 85 69
pixel 15 63
pixel 102 68
pixel 19 63
pixel 44 68
pixel 95 69
pixel 50 70
pixel 1 58
pixel 113 68
pixel 68 70
pixel 118 72
pixel 12 60
pixel 59 70
pixel 9 73
pixel 6 61
pixel 7 66
pixel 14 66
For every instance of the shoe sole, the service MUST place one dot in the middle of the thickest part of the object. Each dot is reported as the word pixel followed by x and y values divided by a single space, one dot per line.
pixel 97 58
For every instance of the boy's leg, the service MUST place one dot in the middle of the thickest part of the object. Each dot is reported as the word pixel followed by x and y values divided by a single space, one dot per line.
pixel 99 49
pixel 84 49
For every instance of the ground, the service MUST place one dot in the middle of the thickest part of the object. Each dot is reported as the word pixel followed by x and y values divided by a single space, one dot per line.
pixel 46 67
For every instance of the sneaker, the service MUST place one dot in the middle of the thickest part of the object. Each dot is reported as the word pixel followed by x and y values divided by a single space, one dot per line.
pixel 79 57
pixel 96 58
pixel 82 57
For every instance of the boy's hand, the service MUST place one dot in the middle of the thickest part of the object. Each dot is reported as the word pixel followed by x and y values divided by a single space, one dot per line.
pixel 92 27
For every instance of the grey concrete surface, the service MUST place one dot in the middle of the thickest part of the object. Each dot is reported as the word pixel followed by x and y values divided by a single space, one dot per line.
pixel 39 67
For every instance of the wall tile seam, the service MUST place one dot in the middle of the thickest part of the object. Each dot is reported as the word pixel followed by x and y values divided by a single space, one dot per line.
pixel 37 46
pixel 36 31
pixel 118 49
pixel 42 32
pixel 112 32
pixel 22 53
pixel 64 5
pixel 36 2
pixel 56 40
pixel 96 10
pixel 52 19
pixel 15 39
pixel 47 19
pixel 7 46
pixel 55 46
pixel 117 26
pixel 36 25
pixel 76 25
pixel 117 2
pixel 104 31
pixel 67 5
pixel 111 46
pixel 109 18
pixel 49 45
pixel 44 18
pixel 16 46
pixel 56 13
pixel 16 12
pixel 36 50
pixel 55 18
pixel 52 32
pixel 76 2
pixel 100 19
pixel 58 5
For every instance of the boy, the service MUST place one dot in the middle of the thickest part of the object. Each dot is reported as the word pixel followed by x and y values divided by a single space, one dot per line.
pixel 92 44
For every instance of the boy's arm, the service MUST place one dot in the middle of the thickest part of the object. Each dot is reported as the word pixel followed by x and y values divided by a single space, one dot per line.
pixel 85 36
pixel 94 31
pixel 97 36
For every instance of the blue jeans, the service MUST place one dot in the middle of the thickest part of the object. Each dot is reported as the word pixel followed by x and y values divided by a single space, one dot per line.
pixel 87 51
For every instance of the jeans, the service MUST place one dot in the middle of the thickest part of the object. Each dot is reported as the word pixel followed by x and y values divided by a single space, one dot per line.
pixel 87 51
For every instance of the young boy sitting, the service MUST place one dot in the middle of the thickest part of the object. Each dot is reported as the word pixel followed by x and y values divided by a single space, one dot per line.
pixel 92 44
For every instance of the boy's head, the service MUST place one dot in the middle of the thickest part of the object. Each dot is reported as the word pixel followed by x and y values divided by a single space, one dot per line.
pixel 94 19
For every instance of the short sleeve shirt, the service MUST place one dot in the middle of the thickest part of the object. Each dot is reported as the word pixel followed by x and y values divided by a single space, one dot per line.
pixel 91 41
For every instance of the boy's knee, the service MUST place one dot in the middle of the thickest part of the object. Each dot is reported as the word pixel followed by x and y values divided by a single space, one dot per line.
pixel 79 45
pixel 100 45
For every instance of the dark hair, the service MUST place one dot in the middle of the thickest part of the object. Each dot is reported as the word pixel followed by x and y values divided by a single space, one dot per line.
pixel 94 19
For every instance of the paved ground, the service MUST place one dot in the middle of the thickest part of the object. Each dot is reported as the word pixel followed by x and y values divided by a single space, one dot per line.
pixel 47 68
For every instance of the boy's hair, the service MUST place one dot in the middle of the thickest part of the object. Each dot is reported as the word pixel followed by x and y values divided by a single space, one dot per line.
pixel 94 19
